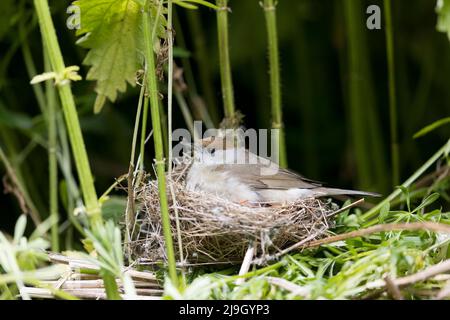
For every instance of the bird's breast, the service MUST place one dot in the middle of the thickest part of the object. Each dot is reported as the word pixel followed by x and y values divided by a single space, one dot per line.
pixel 208 179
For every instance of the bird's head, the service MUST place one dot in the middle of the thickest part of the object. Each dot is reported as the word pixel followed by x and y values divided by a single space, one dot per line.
pixel 218 150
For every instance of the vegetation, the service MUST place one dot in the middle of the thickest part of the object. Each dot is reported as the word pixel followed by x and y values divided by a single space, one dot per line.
pixel 356 107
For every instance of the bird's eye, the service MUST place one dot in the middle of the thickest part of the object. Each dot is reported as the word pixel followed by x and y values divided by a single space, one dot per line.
pixel 212 151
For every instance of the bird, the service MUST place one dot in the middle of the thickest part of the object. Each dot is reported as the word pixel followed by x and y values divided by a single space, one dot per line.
pixel 225 168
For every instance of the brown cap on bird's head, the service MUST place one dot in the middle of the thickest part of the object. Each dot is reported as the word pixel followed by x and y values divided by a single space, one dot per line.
pixel 220 143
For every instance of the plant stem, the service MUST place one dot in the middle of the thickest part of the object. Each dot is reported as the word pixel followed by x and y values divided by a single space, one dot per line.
pixel 70 113
pixel 365 128
pixel 269 7
pixel 52 161
pixel 224 57
pixel 143 134
pixel 129 214
pixel 112 291
pixel 395 157
pixel 165 136
pixel 372 212
pixel 169 128
pixel 170 81
pixel 91 203
pixel 356 92
pixel 64 156
pixel 157 137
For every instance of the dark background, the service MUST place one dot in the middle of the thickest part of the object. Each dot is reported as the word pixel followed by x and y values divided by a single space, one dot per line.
pixel 315 79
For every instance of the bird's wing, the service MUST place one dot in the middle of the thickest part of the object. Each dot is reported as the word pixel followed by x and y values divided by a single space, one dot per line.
pixel 283 179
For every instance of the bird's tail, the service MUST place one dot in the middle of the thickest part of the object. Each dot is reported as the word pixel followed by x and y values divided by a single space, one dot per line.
pixel 323 192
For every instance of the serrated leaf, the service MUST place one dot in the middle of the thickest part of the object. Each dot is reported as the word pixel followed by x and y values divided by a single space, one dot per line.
pixel 443 11
pixel 111 29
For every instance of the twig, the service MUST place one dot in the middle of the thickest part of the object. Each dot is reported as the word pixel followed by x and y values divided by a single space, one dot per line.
pixel 351 205
pixel 289 286
pixel 445 292
pixel 431 226
pixel 82 293
pixel 417 277
pixel 392 288
pixel 245 267
pixel 77 263
pixel 425 274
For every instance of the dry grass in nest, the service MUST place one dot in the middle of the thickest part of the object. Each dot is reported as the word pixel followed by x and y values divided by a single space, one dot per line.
pixel 216 231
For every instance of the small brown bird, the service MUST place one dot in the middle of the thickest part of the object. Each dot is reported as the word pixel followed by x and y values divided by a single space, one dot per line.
pixel 230 171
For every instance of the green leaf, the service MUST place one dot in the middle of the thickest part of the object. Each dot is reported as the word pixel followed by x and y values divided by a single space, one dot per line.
pixel 405 192
pixel 181 53
pixel 111 30
pixel 113 208
pixel 384 212
pixel 14 119
pixel 443 11
pixel 19 229
pixel 431 127
pixel 427 201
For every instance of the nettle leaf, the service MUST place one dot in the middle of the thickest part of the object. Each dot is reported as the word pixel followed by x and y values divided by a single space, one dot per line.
pixel 111 29
pixel 443 11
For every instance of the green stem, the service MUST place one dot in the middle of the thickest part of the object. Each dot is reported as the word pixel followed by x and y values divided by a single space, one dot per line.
pixel 129 215
pixel 64 156
pixel 170 81
pixel 395 158
pixel 165 137
pixel 52 160
pixel 145 111
pixel 157 137
pixel 373 212
pixel 112 291
pixel 269 7
pixel 365 128
pixel 169 128
pixel 143 134
pixel 70 112
pixel 224 57
pixel 356 93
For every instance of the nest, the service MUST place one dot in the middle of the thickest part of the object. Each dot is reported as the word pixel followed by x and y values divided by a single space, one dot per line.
pixel 214 230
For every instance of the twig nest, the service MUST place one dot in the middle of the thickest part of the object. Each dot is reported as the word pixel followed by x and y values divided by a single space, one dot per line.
pixel 214 230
